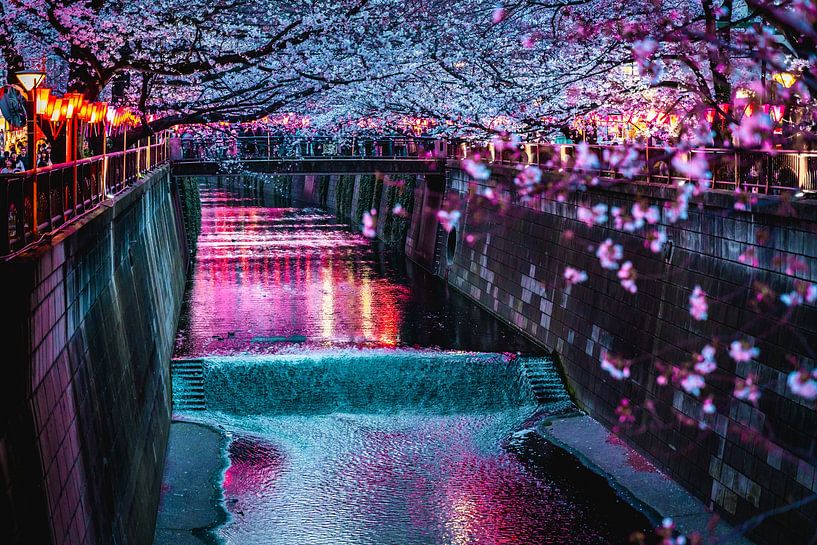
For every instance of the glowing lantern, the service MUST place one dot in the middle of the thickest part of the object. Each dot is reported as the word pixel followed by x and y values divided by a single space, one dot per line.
pixel 709 114
pixel 84 113
pixel 776 112
pixel 73 102
pixel 786 79
pixel 49 108
pixel 41 96
pixel 750 110
pixel 110 115
pixel 56 113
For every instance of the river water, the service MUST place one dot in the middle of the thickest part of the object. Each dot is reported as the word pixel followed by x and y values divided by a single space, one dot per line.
pixel 366 404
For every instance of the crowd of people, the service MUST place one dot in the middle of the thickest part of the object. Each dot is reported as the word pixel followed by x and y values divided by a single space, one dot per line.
pixel 15 159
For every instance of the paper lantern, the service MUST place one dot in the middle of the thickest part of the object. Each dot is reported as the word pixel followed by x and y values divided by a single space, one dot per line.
pixel 41 97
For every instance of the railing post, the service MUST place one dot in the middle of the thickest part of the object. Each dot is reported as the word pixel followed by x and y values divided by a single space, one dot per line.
pixel 737 170
pixel 104 162
pixel 647 162
pixel 125 157
pixel 34 205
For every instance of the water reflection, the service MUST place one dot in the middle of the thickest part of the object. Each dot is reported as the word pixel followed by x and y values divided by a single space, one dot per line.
pixel 266 277
pixel 402 451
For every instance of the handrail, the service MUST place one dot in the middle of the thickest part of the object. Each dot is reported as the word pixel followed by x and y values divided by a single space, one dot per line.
pixel 764 172
pixel 39 201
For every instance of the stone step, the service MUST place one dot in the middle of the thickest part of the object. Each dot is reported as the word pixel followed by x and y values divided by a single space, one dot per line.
pixel 188 385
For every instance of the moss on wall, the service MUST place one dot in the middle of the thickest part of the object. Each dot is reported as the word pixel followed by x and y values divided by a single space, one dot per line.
pixel 191 210
pixel 396 227
pixel 343 195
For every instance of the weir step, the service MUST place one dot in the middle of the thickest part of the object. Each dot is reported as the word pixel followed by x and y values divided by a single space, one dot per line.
pixel 544 380
pixel 188 385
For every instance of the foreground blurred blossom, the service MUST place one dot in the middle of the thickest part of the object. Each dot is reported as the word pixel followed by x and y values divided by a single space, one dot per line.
pixel 754 131
pixel 803 292
pixel 609 254
pixel 498 15
pixel 742 351
pixel 370 224
pixel 624 411
pixel 655 240
pixel 709 406
pixel 619 368
pixel 586 159
pixel 574 276
pixel 624 160
pixel 399 211
pixel 803 383
pixel 449 219
pixel 693 383
pixel 644 213
pixel 596 215
pixel 698 307
pixel 476 169
pixel 746 389
pixel 694 167
pixel 705 363
pixel 628 276
pixel 528 180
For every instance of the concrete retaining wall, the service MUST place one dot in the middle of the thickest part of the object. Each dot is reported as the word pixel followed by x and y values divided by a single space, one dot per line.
pixel 86 389
pixel 747 459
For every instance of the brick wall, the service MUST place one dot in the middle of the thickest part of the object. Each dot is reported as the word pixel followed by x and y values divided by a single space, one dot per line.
pixel 87 412
pixel 748 458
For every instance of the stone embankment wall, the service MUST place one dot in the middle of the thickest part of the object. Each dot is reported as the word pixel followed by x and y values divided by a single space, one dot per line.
pixel 86 390
pixel 747 459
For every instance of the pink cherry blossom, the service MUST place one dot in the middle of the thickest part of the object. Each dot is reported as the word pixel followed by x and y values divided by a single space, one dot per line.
pixel 692 384
pixel 498 15
pixel 803 383
pixel 747 390
pixel 709 406
pixel 698 306
pixel 476 169
pixel 528 180
pixel 590 217
pixel 754 131
pixel 619 368
pixel 743 351
pixel 449 219
pixel 691 166
pixel 705 361
pixel 585 158
pixel 803 292
pixel 628 276
pixel 609 254
pixel 399 211
pixel 370 224
pixel 574 276
pixel 655 240
pixel 624 411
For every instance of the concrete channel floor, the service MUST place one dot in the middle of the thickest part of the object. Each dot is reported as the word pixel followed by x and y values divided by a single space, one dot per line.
pixel 191 502
pixel 633 475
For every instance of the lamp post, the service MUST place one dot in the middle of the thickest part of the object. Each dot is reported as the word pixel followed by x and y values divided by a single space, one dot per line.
pixel 29 80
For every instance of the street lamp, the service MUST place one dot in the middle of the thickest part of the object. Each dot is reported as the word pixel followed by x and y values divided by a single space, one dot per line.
pixel 30 79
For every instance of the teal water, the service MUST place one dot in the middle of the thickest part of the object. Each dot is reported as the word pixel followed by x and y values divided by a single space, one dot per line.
pixel 367 404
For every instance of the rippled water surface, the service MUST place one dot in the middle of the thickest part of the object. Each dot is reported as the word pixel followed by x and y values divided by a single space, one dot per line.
pixel 366 404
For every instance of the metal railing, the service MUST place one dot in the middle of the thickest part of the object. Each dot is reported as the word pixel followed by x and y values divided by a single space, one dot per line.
pixel 763 172
pixel 293 148
pixel 36 202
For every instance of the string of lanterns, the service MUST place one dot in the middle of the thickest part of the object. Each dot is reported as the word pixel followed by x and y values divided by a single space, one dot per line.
pixel 73 106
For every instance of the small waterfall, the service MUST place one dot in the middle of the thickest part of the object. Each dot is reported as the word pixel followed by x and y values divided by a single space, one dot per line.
pixel 376 381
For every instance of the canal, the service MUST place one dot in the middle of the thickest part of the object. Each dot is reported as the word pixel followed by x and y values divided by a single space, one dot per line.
pixel 363 401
